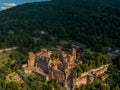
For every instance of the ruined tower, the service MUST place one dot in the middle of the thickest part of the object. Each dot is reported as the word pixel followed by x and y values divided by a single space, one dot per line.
pixel 31 60
pixel 90 78
pixel 74 53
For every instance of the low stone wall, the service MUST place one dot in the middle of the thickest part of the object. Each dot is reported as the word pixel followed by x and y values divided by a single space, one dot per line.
pixel 7 49
pixel 88 77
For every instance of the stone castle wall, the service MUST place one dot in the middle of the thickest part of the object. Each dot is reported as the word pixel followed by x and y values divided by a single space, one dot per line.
pixel 60 69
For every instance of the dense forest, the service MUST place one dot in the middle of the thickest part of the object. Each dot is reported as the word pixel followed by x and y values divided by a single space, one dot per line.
pixel 95 23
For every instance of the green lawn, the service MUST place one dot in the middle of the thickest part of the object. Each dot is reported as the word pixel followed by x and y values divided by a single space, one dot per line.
pixel 4 57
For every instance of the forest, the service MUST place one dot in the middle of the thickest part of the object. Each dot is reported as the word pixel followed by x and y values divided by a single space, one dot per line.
pixel 95 23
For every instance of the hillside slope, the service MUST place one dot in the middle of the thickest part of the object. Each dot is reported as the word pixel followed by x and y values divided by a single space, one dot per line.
pixel 93 22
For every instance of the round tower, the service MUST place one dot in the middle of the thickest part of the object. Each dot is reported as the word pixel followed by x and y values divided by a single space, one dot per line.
pixel 31 60
pixel 74 52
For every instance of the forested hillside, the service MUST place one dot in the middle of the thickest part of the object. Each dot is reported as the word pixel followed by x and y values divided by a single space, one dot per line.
pixel 93 22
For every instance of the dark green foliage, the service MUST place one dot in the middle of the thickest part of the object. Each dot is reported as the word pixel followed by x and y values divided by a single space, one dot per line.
pixel 117 62
pixel 93 22
pixel 114 78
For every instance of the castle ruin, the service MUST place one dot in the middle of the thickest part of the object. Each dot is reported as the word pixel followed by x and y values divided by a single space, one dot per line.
pixel 58 65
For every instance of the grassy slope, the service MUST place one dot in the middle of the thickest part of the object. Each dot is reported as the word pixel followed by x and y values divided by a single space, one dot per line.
pixel 4 57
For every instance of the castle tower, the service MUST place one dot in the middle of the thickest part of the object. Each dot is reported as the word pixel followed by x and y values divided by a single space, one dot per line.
pixel 74 52
pixel 31 60
pixel 55 67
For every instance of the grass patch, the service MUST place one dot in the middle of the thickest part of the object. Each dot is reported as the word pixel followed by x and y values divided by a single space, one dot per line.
pixel 4 57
